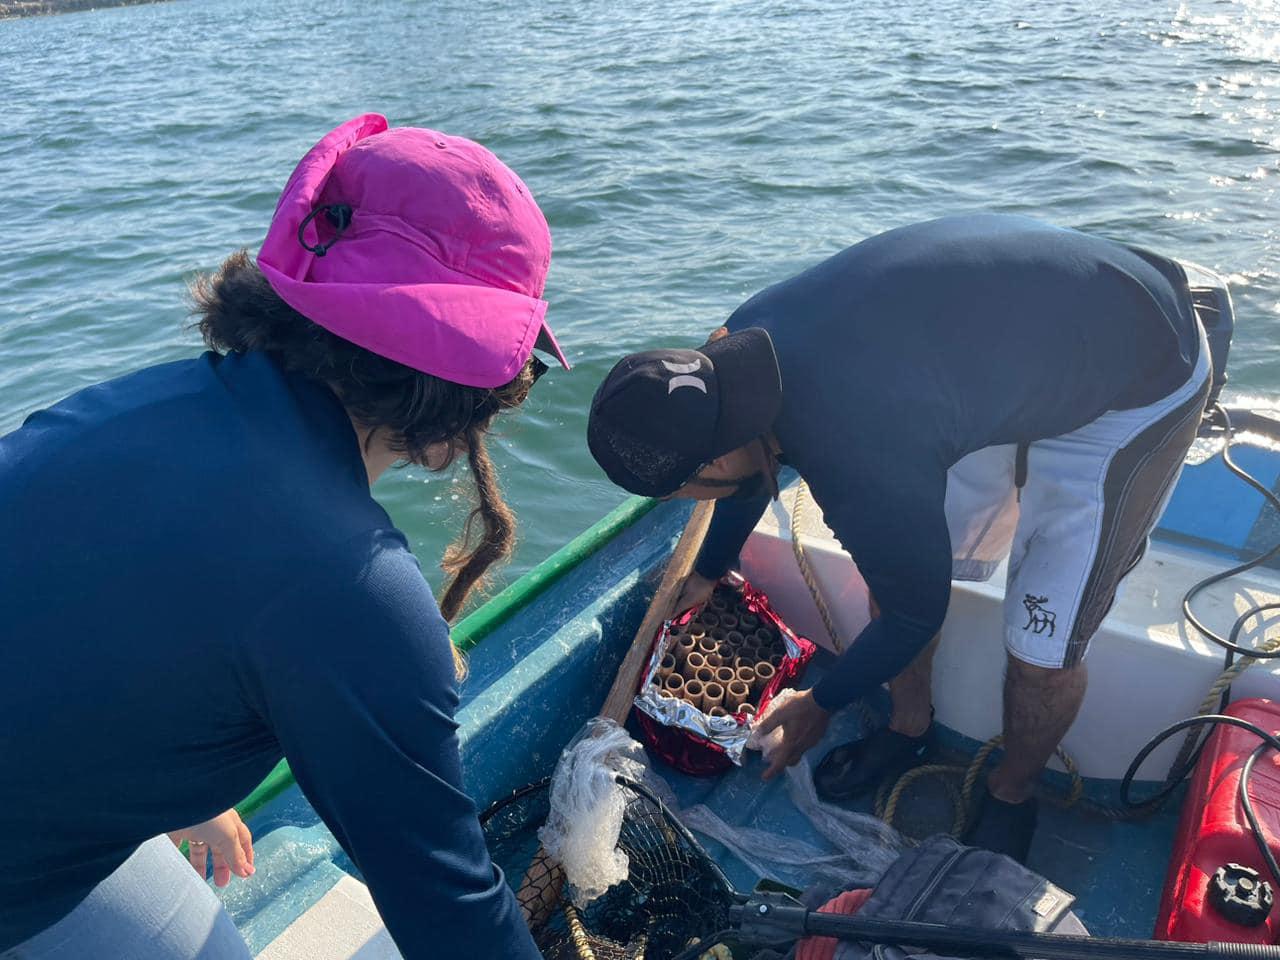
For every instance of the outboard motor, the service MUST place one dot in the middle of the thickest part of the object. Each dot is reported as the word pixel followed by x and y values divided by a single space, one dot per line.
pixel 1212 301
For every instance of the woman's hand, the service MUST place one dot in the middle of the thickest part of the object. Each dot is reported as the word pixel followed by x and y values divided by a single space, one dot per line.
pixel 229 840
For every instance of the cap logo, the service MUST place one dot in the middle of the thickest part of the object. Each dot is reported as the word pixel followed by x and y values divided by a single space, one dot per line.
pixel 675 383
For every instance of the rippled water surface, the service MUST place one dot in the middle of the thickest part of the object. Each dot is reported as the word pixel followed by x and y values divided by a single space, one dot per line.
pixel 684 158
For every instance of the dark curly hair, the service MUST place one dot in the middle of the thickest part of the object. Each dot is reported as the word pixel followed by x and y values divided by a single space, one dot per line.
pixel 237 310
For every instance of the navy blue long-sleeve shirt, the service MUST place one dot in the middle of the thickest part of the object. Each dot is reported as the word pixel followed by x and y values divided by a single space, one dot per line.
pixel 195 582
pixel 905 352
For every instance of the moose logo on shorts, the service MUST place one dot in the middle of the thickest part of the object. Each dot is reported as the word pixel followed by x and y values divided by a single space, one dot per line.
pixel 1038 618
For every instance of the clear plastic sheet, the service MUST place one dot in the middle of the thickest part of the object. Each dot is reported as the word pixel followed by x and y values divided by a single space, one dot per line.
pixel 867 845
pixel 581 832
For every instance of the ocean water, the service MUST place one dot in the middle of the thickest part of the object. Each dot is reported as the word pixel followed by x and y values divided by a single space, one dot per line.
pixel 685 156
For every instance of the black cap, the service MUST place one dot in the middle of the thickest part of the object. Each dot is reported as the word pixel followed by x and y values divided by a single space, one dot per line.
pixel 659 416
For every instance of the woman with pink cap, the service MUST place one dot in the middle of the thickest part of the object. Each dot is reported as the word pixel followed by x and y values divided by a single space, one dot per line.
pixel 196 581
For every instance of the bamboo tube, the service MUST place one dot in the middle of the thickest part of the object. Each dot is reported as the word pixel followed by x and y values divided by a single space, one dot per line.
pixel 717 635
pixel 764 673
pixel 747 675
pixel 695 630
pixel 735 695
pixel 692 664
pixel 714 659
pixel 717 712
pixel 725 676
pixel 684 647
pixel 667 666
pixel 712 696
pixel 718 603
pixel 673 686
pixel 709 619
pixel 705 675
pixel 748 709
pixel 734 639
pixel 693 693
pixel 707 645
pixel 748 622
pixel 765 636
pixel 775 660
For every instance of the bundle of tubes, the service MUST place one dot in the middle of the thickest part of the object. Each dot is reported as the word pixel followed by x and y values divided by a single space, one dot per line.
pixel 722 659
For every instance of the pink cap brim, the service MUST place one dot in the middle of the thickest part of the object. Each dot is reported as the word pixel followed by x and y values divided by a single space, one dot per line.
pixel 468 324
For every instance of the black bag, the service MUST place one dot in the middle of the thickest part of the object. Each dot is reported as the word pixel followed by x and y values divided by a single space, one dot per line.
pixel 942 881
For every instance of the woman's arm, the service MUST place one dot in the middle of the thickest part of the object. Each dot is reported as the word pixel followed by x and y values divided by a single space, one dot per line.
pixel 354 674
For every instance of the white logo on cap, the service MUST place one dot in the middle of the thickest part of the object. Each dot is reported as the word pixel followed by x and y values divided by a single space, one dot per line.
pixel 675 383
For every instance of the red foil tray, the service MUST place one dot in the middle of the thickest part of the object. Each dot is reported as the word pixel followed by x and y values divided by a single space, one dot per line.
pixel 696 755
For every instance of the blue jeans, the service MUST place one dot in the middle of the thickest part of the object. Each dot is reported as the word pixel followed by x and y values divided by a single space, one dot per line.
pixel 154 907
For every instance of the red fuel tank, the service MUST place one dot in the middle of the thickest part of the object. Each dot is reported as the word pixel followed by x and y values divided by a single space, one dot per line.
pixel 1214 890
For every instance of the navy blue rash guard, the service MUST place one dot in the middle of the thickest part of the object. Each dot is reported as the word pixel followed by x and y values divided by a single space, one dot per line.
pixel 195 582
pixel 904 353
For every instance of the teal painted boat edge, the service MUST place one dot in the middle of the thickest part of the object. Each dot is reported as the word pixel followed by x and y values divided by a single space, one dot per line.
pixel 574 638
pixel 491 615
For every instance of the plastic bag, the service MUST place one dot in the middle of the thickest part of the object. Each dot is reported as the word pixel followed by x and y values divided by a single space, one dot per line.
pixel 581 832
pixel 868 846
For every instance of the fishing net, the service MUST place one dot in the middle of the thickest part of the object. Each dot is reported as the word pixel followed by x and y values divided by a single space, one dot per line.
pixel 673 896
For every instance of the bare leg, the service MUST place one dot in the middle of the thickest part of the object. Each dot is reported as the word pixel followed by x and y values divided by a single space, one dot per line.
pixel 911 692
pixel 1040 704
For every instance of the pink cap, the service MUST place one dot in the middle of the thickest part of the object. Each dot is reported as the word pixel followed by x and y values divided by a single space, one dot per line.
pixel 440 264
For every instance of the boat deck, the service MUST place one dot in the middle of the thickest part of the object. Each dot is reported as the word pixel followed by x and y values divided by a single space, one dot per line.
pixel 1114 867
pixel 303 902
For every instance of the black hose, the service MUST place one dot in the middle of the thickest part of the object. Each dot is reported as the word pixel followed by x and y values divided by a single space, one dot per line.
pixel 1269 742
pixel 1229 642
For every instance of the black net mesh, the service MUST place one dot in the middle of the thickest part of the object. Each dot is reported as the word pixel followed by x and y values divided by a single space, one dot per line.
pixel 673 898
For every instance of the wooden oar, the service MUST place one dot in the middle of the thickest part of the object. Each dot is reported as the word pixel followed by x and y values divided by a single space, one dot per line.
pixel 543 882
pixel 623 693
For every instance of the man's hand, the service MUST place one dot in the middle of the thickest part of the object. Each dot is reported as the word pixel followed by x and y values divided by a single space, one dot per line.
pixel 228 838
pixel 696 591
pixel 802 723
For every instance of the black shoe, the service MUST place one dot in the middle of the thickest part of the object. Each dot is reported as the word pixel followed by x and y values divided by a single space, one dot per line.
pixel 858 767
pixel 1003 827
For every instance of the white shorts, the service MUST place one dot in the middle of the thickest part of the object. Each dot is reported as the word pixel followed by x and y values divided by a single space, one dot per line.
pixel 1079 523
